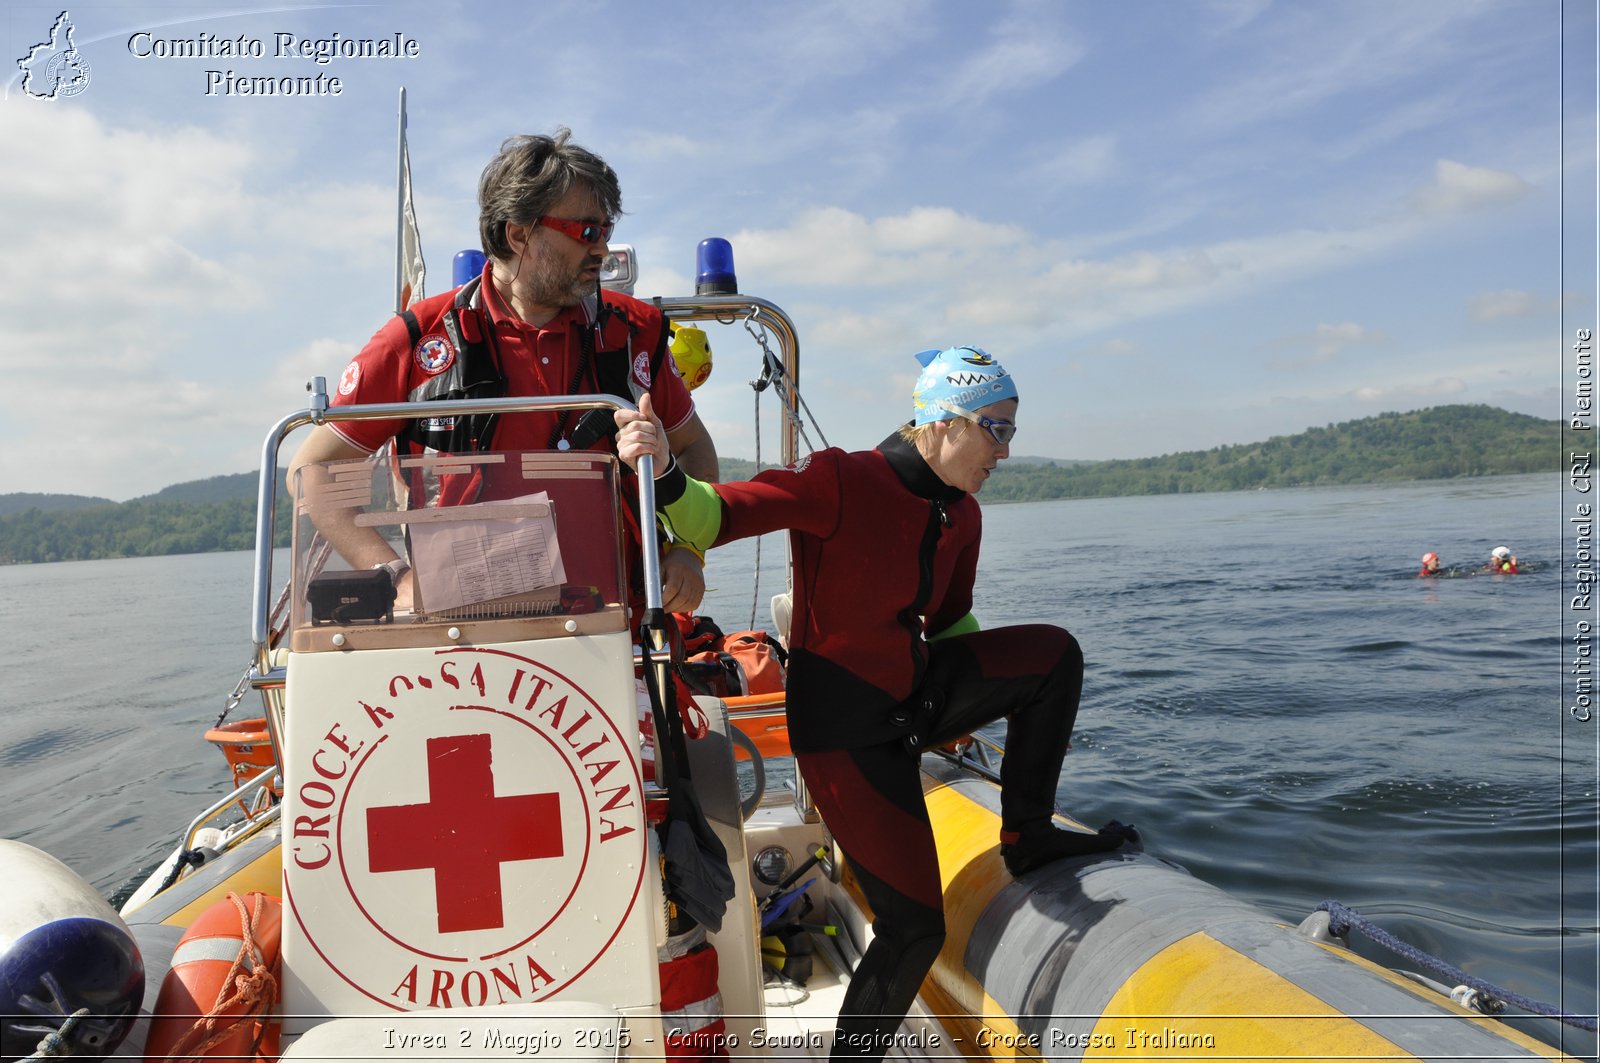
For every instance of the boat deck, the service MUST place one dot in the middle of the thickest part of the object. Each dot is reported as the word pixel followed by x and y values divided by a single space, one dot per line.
pixel 800 1019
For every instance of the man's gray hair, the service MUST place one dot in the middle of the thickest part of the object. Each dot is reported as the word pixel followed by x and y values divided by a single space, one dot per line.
pixel 529 176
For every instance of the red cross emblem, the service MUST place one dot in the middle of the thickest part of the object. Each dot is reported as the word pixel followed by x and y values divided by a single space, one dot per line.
pixel 464 833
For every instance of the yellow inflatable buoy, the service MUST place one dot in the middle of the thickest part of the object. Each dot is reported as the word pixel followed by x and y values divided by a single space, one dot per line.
pixel 692 352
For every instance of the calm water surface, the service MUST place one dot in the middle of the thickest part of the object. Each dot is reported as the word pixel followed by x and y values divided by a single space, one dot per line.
pixel 1271 696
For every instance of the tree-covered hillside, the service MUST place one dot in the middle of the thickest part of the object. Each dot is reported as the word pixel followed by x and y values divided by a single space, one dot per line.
pixel 1443 442
pixel 18 501
pixel 1439 443
pixel 201 516
pixel 213 489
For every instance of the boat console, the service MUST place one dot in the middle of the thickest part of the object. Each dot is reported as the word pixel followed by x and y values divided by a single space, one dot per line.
pixel 465 820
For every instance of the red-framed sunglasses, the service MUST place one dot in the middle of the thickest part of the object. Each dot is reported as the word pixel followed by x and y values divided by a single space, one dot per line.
pixel 585 232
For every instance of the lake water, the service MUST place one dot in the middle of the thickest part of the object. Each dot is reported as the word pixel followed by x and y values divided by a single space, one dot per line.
pixel 1271 696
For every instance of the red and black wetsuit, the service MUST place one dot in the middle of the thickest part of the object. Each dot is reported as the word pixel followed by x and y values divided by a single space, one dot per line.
pixel 880 543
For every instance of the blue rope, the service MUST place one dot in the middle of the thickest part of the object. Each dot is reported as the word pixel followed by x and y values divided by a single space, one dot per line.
pixel 1341 919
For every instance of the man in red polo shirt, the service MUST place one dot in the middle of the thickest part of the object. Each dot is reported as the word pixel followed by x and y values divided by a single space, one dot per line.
pixel 535 323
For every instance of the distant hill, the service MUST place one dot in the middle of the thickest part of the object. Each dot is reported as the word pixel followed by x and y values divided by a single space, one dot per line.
pixel 1439 443
pixel 738 468
pixel 18 501
pixel 213 489
pixel 1443 442
pixel 743 469
pixel 201 516
pixel 1030 459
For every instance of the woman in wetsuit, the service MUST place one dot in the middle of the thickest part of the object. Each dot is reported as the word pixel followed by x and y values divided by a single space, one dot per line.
pixel 886 659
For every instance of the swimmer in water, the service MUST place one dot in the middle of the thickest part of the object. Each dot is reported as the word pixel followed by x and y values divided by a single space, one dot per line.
pixel 1502 561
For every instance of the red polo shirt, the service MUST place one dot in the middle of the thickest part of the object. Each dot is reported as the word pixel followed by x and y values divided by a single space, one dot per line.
pixel 542 360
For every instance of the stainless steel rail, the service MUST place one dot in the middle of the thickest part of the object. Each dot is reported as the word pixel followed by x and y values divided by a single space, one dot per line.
pixel 730 308
pixel 725 308
pixel 318 413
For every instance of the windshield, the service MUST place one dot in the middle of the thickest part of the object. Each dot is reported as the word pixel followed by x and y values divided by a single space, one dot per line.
pixel 388 546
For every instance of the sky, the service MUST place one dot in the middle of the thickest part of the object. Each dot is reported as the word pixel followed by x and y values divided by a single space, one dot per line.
pixel 1178 224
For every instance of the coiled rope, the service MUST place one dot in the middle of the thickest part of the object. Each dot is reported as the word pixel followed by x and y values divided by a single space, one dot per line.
pixel 1341 919
pixel 254 989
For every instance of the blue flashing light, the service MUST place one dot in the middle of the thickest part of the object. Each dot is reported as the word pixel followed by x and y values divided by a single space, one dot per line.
pixel 468 264
pixel 715 275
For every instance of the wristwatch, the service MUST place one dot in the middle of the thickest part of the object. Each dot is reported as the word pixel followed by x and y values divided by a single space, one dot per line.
pixel 397 568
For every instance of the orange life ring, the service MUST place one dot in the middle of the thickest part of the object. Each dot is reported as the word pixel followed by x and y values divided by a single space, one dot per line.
pixel 247 747
pixel 217 998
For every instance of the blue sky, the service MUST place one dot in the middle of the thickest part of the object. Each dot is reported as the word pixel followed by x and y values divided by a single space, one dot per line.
pixel 1178 224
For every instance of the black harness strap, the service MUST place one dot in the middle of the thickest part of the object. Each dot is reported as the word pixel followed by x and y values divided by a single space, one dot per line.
pixel 477 373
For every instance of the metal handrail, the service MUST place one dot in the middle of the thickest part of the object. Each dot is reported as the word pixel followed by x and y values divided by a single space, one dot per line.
pixel 696 308
pixel 727 308
pixel 258 782
pixel 318 413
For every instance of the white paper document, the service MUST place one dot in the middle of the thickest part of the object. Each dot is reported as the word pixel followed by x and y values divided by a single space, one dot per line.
pixel 485 552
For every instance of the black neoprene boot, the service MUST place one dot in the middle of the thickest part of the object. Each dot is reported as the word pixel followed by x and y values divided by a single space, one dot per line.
pixel 1035 846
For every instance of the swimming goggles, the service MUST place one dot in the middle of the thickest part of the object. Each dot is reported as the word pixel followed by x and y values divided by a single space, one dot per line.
pixel 1002 432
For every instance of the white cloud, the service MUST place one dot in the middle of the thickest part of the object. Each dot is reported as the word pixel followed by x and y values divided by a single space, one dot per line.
pixel 1324 344
pixel 1023 54
pixel 837 248
pixel 1331 339
pixel 1509 302
pixel 125 221
pixel 937 268
pixel 1079 162
pixel 1397 122
pixel 1304 55
pixel 1458 187
pixel 143 268
pixel 822 41
pixel 285 382
pixel 861 334
pixel 1114 348
pixel 1441 389
pixel 346 217
pixel 666 147
pixel 1233 15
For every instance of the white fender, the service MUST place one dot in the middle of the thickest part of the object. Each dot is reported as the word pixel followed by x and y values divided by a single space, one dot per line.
pixel 62 949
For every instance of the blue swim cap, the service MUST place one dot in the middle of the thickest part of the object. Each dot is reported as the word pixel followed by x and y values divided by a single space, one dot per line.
pixel 964 376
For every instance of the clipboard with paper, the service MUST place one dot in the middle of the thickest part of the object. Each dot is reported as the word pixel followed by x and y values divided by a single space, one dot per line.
pixel 487 559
